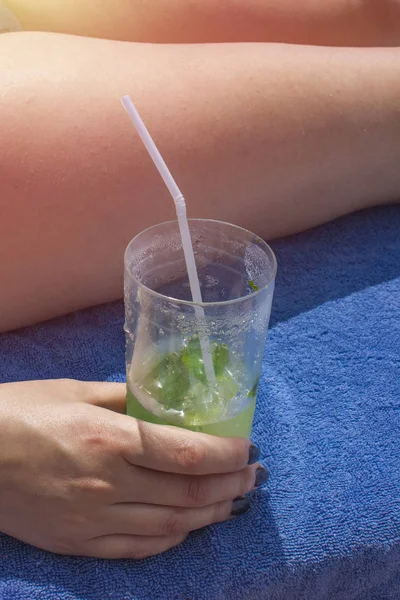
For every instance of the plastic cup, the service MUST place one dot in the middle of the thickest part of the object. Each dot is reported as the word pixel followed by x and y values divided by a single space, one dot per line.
pixel 166 378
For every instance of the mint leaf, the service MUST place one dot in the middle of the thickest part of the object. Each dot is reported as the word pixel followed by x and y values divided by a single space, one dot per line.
pixel 253 392
pixel 168 382
pixel 252 285
pixel 220 356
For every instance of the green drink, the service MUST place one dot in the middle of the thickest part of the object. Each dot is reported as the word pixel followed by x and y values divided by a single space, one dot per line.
pixel 167 382
pixel 238 426
pixel 175 391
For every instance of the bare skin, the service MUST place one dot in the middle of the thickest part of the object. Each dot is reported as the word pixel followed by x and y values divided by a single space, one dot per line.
pixel 275 138
pixel 327 23
pixel 89 481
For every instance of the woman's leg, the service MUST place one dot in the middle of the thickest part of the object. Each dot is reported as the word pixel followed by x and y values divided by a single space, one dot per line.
pixel 275 138
pixel 321 22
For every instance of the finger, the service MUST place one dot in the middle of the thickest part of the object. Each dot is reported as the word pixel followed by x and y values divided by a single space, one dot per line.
pixel 144 519
pixel 187 491
pixel 106 394
pixel 131 546
pixel 176 450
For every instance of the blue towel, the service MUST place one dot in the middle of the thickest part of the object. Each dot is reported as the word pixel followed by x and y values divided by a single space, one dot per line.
pixel 327 526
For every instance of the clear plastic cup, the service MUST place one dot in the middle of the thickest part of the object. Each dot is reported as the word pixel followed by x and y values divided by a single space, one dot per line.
pixel 166 378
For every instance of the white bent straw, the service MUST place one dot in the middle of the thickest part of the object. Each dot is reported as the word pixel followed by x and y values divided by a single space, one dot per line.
pixel 187 246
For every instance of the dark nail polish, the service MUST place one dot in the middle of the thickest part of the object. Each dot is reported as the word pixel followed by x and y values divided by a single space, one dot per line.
pixel 261 476
pixel 254 454
pixel 240 506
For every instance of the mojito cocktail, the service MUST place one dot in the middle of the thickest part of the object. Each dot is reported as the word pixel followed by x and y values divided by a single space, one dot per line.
pixel 167 381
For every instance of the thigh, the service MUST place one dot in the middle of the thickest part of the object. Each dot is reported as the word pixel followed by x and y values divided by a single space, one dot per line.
pixel 275 138
pixel 317 22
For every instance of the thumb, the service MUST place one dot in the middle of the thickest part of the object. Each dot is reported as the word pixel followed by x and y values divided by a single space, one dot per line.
pixel 111 396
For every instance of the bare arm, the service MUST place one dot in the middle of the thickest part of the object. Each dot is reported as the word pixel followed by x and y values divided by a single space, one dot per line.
pixel 275 138
pixel 321 22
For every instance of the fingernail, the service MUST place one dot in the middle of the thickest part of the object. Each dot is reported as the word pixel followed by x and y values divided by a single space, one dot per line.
pixel 254 454
pixel 240 506
pixel 261 476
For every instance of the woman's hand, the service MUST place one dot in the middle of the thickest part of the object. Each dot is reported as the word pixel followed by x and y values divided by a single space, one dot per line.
pixel 76 478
